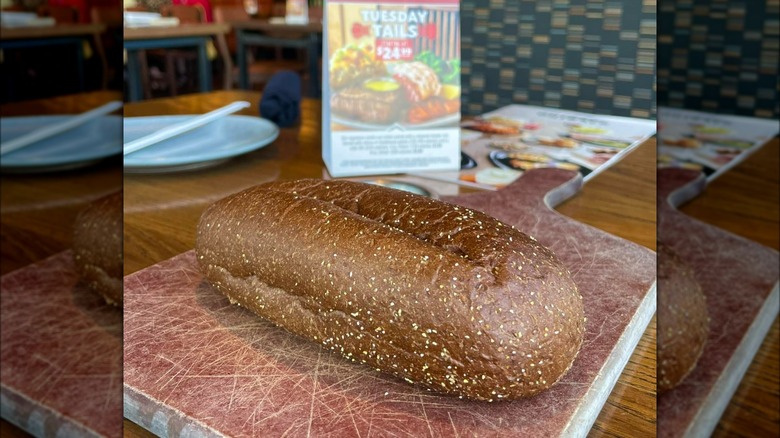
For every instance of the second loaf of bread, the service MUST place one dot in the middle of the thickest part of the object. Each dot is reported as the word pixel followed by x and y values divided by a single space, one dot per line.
pixel 97 246
pixel 439 295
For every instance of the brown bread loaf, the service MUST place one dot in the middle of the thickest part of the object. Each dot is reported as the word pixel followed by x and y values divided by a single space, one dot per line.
pixel 436 294
pixel 97 246
pixel 683 322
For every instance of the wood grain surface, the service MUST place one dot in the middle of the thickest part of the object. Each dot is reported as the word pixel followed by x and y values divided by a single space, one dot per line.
pixel 263 25
pixel 161 212
pixel 182 30
pixel 38 209
pixel 25 33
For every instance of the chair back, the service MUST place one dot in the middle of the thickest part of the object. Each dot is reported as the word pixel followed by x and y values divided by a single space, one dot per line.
pixel 228 14
pixel 279 9
pixel 108 15
pixel 61 14
pixel 315 13
pixel 186 14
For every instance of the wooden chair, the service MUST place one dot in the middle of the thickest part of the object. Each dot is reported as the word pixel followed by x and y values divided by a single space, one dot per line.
pixel 111 40
pixel 279 9
pixel 186 15
pixel 228 14
pixel 260 70
pixel 61 14
pixel 315 13
pixel 108 15
pixel 143 63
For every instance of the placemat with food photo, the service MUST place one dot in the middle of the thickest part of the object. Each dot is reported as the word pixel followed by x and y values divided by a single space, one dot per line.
pixel 711 143
pixel 499 146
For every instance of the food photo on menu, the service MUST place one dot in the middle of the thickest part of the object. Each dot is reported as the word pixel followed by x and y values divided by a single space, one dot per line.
pixel 711 143
pixel 499 146
pixel 380 93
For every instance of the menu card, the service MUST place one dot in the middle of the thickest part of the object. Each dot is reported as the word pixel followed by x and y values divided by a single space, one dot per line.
pixel 391 86
pixel 497 147
pixel 712 143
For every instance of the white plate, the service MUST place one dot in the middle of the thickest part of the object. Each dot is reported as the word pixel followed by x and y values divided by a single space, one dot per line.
pixel 206 146
pixel 17 19
pixel 33 22
pixel 136 17
pixel 78 147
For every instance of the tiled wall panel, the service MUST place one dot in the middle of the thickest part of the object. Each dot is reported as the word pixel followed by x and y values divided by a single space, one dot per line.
pixel 582 55
pixel 720 56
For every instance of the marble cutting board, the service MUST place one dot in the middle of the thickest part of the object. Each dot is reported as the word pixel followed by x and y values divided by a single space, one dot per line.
pixel 197 366
pixel 61 352
pixel 739 278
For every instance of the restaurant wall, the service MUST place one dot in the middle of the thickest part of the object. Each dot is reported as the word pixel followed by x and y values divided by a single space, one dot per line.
pixel 585 55
pixel 227 3
pixel 720 56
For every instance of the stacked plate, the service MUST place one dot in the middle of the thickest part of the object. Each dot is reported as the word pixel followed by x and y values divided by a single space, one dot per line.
pixel 24 19
pixel 148 19
pixel 206 146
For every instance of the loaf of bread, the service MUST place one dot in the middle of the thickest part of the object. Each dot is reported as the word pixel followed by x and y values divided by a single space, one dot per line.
pixel 436 294
pixel 683 322
pixel 97 247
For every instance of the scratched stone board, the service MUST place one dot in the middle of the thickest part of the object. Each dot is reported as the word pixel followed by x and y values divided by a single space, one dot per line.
pixel 61 353
pixel 739 280
pixel 194 364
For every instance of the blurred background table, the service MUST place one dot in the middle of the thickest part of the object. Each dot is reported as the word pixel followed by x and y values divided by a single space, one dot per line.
pixel 267 33
pixel 137 40
pixel 21 38
pixel 161 212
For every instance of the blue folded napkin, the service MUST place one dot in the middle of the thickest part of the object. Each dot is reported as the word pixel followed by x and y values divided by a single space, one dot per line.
pixel 281 101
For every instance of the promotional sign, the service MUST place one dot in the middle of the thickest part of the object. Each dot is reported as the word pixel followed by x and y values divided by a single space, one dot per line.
pixel 391 86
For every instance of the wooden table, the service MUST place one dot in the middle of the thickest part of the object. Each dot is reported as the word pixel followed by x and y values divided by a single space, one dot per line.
pixel 161 212
pixel 37 212
pixel 265 33
pixel 64 34
pixel 138 39
pixel 61 30
pixel 620 201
